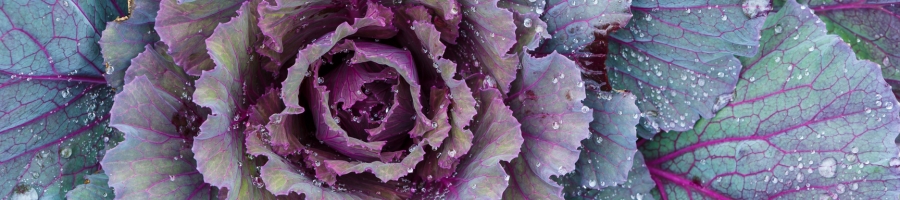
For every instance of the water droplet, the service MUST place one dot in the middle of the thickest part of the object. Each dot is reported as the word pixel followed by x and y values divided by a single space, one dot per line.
pixel 841 188
pixel 724 17
pixel 506 178
pixel 452 153
pixel 171 177
pixel 527 22
pixel 409 170
pixel 778 29
pixel 65 152
pixel 753 8
pixel 555 125
pixel 585 109
pixel 454 10
pixel 886 61
pixel 828 167
pixel 722 100
pixel 433 124
pixel 854 150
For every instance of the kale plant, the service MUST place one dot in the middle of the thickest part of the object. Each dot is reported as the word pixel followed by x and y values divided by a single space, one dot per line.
pixel 449 99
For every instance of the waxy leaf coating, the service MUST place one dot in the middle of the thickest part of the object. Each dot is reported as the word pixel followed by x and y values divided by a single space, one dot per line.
pixel 606 156
pixel 95 187
pixel 124 40
pixel 218 148
pixel 54 102
pixel 547 101
pixel 677 57
pixel 807 122
pixel 573 23
pixel 158 118
pixel 870 27
pixel 184 26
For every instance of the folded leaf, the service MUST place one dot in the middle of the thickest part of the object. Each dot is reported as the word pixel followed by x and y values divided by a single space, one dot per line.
pixel 485 38
pixel 547 101
pixel 497 138
pixel 606 156
pixel 157 116
pixel 184 26
pixel 218 148
pixel 122 41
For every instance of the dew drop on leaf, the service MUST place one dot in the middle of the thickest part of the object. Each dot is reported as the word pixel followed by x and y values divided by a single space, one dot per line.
pixel 828 167
pixel 65 152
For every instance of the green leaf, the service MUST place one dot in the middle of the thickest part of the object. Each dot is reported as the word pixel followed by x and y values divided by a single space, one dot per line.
pixel 807 122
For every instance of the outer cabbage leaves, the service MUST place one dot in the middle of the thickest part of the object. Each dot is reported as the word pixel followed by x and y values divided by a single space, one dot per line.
pixel 158 119
pixel 808 122
pixel 573 23
pixel 606 156
pixel 53 98
pixel 870 27
pixel 677 57
pixel 547 101
pixel 638 185
pixel 124 40
pixel 95 187
pixel 219 147
pixel 184 26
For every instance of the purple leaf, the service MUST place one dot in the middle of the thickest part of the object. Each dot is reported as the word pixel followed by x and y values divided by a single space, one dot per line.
pixel 805 123
pixel 154 112
pixel 547 101
pixel 184 26
pixel 218 148
pixel 375 16
pixel 286 17
pixel 281 178
pixel 677 57
pixel 497 138
pixel 122 41
pixel 485 38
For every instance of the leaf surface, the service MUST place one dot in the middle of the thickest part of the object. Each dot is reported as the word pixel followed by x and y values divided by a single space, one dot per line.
pixel 806 123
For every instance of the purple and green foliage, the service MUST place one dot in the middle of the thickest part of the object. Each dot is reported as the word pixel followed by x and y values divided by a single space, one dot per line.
pixel 872 28
pixel 809 121
pixel 449 99
pixel 677 57
pixel 54 102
